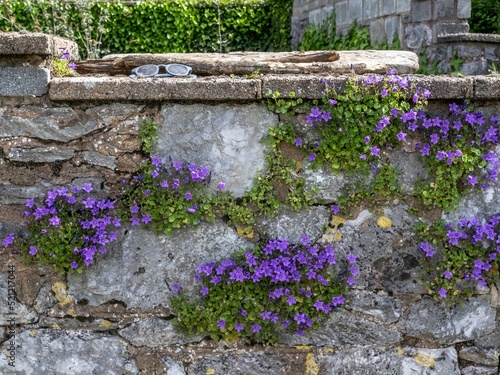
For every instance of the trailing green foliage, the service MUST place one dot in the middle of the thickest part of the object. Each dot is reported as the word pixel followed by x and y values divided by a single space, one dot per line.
pixel 155 26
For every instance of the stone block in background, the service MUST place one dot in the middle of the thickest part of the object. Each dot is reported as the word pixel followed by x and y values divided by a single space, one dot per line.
pixel 421 11
pixel 24 81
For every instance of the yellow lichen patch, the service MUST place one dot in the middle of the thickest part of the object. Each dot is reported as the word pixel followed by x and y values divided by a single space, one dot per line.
pixel 303 347
pixel 210 371
pixel 400 351
pixel 33 333
pixel 336 221
pixel 328 350
pixel 245 231
pixel 105 324
pixel 59 289
pixel 337 236
pixel 71 312
pixel 311 365
pixel 424 360
pixel 55 326
pixel 384 222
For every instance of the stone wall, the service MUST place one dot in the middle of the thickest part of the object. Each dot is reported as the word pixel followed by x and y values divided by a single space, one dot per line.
pixel 115 318
pixel 437 26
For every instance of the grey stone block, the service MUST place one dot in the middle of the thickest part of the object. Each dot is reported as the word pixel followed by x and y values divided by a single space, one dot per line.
pixel 445 28
pixel 469 51
pixel 370 10
pixel 421 11
pixel 392 26
pixel 417 36
pixel 403 6
pixel 355 11
pixel 23 81
pixel 444 10
pixel 464 8
pixel 41 154
pixel 475 68
pixel 341 12
pixel 377 31
pixel 96 158
pixel 387 7
pixel 23 43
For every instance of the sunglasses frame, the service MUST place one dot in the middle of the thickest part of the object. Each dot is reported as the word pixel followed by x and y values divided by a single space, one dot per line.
pixel 170 70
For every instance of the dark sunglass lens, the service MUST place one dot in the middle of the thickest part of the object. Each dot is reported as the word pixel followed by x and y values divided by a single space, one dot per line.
pixel 178 70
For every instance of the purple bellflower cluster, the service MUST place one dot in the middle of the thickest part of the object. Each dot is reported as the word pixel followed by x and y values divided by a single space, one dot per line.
pixel 68 231
pixel 275 288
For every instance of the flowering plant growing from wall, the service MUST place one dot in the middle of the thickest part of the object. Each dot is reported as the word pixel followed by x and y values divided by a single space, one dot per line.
pixel 68 231
pixel 277 288
pixel 458 260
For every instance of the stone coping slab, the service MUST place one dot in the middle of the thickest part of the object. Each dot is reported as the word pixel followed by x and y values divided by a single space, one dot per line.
pixel 23 43
pixel 88 88
pixel 470 37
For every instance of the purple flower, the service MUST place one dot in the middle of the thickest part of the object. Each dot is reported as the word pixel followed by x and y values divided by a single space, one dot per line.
pixel 441 155
pixel 312 156
pixel 301 318
pixel 222 186
pixel 402 136
pixel 9 240
pixel 87 187
pixel 256 328
pixel 351 280
pixel 146 218
pixel 447 274
pixel 429 251
pixel 192 209
pixel 243 313
pixel 442 292
pixel 89 203
pixel 134 220
pixel 291 300
pixel 351 258
pixel 73 265
pixel 298 142
pixel 134 209
pixel 204 290
pixel 156 161
pixel 164 184
pixel 337 301
pixel 188 196
pixel 374 150
pixel 155 173
pixel 426 150
pixel 177 165
pixel 384 93
pixel 237 275
pixel 221 324
pixel 30 202
pixel 239 327
pixel 335 209
pixel 33 250
pixel 367 139
pixel 332 101
pixel 176 288
pixel 55 221
pixel 472 180
pixel 147 192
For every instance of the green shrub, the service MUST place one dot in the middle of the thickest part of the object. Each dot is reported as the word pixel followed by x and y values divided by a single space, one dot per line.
pixel 155 26
pixel 485 17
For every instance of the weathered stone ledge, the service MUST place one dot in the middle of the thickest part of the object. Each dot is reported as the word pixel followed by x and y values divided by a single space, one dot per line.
pixel 85 88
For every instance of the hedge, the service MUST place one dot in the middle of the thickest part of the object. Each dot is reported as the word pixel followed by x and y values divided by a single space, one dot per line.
pixel 156 26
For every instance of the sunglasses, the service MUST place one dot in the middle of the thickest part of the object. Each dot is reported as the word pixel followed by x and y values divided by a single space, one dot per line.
pixel 161 70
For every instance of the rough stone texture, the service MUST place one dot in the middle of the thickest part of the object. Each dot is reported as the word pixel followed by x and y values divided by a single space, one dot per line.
pixel 479 356
pixel 75 353
pixel 236 363
pixel 381 306
pixel 428 318
pixel 154 332
pixel 224 138
pixel 97 158
pixel 41 155
pixel 464 8
pixel 173 367
pixel 486 87
pixel 141 270
pixel 383 361
pixel 421 11
pixel 13 194
pixel 346 329
pixel 388 259
pixel 444 87
pixel 58 124
pixel 292 225
pixel 417 36
pixel 479 370
pixel 410 168
pixel 22 81
pixel 151 89
pixel 11 308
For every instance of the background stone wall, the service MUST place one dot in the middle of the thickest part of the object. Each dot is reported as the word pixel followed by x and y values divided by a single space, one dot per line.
pixel 115 318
